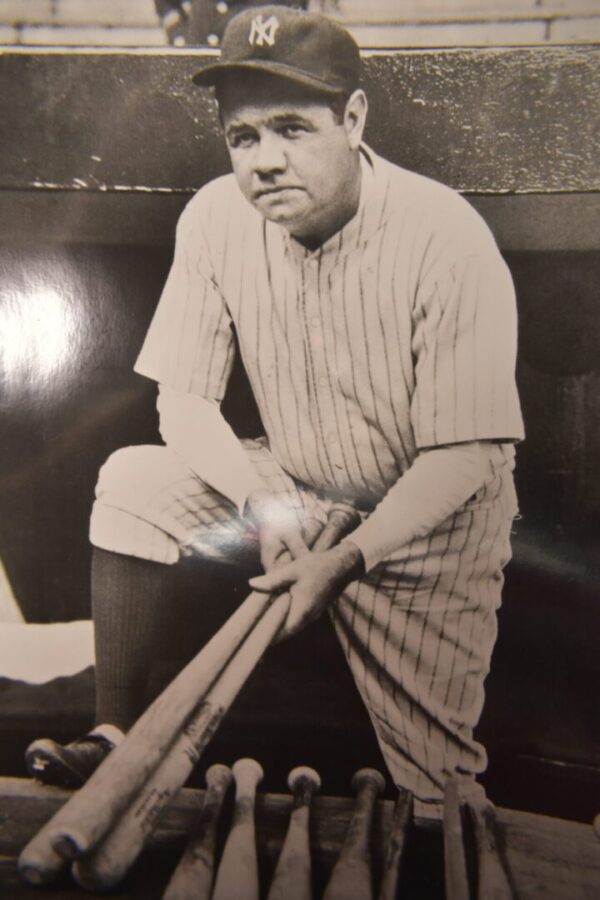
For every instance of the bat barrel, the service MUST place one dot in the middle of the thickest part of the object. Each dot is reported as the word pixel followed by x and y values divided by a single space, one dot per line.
pixel 108 820
pixel 109 862
pixel 41 864
pixel 91 812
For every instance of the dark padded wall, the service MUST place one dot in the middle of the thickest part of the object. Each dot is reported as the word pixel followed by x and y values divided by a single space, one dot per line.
pixel 69 400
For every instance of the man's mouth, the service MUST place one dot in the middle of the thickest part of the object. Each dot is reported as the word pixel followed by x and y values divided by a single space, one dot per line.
pixel 274 190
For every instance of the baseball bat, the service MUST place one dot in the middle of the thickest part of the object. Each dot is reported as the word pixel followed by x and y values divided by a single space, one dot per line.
pixel 193 877
pixel 111 858
pixel 237 877
pixel 455 865
pixel 108 862
pixel 492 880
pixel 83 821
pixel 41 865
pixel 395 849
pixel 89 815
pixel 596 825
pixel 293 876
pixel 351 878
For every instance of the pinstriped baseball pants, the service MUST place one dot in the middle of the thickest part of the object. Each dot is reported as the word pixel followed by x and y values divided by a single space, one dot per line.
pixel 417 631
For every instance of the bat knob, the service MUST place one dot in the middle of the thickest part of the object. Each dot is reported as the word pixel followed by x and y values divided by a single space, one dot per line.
pixel 344 517
pixel 368 776
pixel 248 771
pixel 304 775
pixel 218 774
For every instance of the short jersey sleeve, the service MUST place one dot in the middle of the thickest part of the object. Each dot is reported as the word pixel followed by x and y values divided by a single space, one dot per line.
pixel 464 345
pixel 190 345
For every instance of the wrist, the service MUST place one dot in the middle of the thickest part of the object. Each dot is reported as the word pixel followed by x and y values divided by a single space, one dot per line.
pixel 352 560
pixel 256 500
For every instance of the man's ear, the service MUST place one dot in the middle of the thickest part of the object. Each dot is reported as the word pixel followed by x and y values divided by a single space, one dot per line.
pixel 355 116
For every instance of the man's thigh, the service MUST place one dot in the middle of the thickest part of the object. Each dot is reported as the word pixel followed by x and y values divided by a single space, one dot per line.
pixel 418 633
pixel 150 504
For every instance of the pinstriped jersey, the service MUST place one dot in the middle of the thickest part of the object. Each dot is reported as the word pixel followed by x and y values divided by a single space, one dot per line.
pixel 397 334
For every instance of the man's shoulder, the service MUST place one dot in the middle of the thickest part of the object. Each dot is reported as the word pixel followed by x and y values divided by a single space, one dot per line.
pixel 431 207
pixel 215 202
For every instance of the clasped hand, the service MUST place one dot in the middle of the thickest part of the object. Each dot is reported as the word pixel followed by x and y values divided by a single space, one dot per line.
pixel 278 530
pixel 314 578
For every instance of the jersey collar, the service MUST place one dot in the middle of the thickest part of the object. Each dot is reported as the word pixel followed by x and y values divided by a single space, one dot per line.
pixel 368 219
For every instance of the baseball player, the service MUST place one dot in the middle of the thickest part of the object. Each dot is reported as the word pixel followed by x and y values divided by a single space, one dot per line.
pixel 376 322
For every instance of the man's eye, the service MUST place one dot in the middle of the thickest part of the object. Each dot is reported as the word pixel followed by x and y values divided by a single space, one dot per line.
pixel 292 131
pixel 241 140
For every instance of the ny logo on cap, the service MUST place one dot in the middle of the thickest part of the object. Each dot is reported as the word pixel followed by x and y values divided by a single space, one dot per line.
pixel 263 32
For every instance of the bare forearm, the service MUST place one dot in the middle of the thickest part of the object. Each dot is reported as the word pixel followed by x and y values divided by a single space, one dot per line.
pixel 440 481
pixel 194 428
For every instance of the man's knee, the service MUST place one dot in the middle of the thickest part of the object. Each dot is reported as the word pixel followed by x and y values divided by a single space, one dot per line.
pixel 150 504
pixel 138 470
pixel 130 514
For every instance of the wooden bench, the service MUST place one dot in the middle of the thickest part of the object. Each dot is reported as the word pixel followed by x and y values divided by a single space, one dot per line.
pixel 99 152
pixel 543 857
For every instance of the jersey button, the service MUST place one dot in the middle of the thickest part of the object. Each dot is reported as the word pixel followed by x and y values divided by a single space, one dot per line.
pixel 222 7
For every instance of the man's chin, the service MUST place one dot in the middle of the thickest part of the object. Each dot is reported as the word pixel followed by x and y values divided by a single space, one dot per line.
pixel 282 214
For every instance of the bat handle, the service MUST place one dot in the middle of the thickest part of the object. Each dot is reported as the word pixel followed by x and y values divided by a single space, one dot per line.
pixel 237 878
pixel 341 520
pixel 303 782
pixel 194 873
pixel 455 866
pixel 218 778
pixel 293 879
pixel 351 878
pixel 368 784
pixel 403 812
pixel 248 773
pixel 492 878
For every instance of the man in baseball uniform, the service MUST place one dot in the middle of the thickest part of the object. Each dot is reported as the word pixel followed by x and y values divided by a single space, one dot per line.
pixel 376 321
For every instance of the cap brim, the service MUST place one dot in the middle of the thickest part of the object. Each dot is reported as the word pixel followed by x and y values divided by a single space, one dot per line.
pixel 208 76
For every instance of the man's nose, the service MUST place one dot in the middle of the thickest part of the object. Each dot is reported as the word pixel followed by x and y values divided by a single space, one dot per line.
pixel 270 155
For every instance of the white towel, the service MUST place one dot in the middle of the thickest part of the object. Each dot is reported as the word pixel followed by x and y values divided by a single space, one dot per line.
pixel 39 653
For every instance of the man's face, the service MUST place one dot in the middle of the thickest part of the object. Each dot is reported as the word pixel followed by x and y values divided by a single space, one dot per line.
pixel 293 160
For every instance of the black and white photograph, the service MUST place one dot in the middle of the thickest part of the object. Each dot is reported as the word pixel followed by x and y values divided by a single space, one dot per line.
pixel 300 442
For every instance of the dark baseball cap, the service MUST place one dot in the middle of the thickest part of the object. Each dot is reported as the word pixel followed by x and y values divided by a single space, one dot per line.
pixel 303 47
